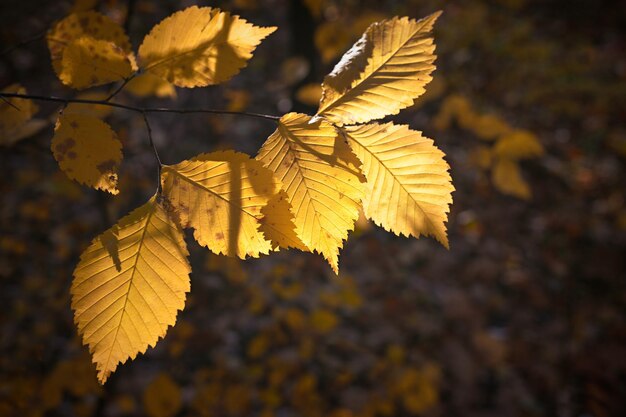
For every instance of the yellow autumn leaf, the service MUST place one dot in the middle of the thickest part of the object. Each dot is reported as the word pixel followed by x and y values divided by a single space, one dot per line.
pixel 89 62
pixel 322 180
pixel 278 225
pixel 519 144
pixel 162 398
pixel 383 73
pixel 129 285
pixel 14 115
pixel 83 24
pixel 87 150
pixel 309 94
pixel 221 195
pixel 148 84
pixel 507 178
pixel 200 46
pixel 409 189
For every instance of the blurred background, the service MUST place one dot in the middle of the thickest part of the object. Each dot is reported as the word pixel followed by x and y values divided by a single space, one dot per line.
pixel 523 316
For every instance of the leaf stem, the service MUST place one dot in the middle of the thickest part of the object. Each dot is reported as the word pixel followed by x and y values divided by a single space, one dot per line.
pixel 121 86
pixel 156 152
pixel 137 109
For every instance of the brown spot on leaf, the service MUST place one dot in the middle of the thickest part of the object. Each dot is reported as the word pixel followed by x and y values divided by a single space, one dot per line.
pixel 106 166
pixel 219 236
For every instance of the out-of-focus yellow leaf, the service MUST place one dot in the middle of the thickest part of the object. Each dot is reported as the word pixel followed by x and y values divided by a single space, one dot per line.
pixel 409 189
pixel 162 398
pixel 488 126
pixel 309 94
pixel 15 113
pixel 148 84
pixel 200 46
pixel 77 25
pixel 321 177
pixel 324 320
pixel 519 144
pixel 331 38
pixel 129 285
pixel 89 62
pixel 95 110
pixel 237 100
pixel 87 150
pixel 507 178
pixel 383 73
pixel 221 195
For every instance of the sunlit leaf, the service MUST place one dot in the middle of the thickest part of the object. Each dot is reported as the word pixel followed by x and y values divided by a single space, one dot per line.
pixel 129 285
pixel 200 46
pixel 148 84
pixel 89 62
pixel 409 189
pixel 321 178
pixel 83 24
pixel 221 196
pixel 384 72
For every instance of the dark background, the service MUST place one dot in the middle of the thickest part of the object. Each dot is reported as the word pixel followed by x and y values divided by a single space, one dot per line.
pixel 523 316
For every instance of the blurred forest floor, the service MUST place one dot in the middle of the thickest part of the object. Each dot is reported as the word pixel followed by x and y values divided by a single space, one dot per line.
pixel 524 316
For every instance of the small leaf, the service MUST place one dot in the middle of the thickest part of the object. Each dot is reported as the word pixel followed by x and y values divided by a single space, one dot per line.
pixel 89 62
pixel 321 177
pixel 200 46
pixel 148 84
pixel 77 25
pixel 507 178
pixel 221 195
pixel 409 189
pixel 15 115
pixel 383 73
pixel 87 150
pixel 519 144
pixel 129 285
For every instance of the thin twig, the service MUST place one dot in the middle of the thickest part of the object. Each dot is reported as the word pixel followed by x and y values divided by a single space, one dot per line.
pixel 26 41
pixel 156 152
pixel 137 109
pixel 10 104
pixel 121 86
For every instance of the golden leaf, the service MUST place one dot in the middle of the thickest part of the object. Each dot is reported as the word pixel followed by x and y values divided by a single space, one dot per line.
pixel 87 150
pixel 409 189
pixel 221 195
pixel 396 58
pixel 507 178
pixel 77 25
pixel 129 285
pixel 519 144
pixel 89 62
pixel 309 94
pixel 148 84
pixel 200 46
pixel 322 180
pixel 16 117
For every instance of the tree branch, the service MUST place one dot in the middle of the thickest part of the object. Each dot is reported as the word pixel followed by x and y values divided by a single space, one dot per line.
pixel 137 109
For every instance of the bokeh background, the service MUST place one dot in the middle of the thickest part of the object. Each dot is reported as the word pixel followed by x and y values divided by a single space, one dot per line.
pixel 523 316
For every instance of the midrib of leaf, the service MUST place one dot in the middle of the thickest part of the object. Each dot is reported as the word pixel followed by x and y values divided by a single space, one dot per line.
pixel 130 282
pixel 304 178
pixel 208 44
pixel 396 180
pixel 359 82
pixel 192 182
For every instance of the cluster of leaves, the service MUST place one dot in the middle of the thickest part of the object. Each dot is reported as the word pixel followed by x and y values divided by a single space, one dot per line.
pixel 303 190
pixel 510 145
